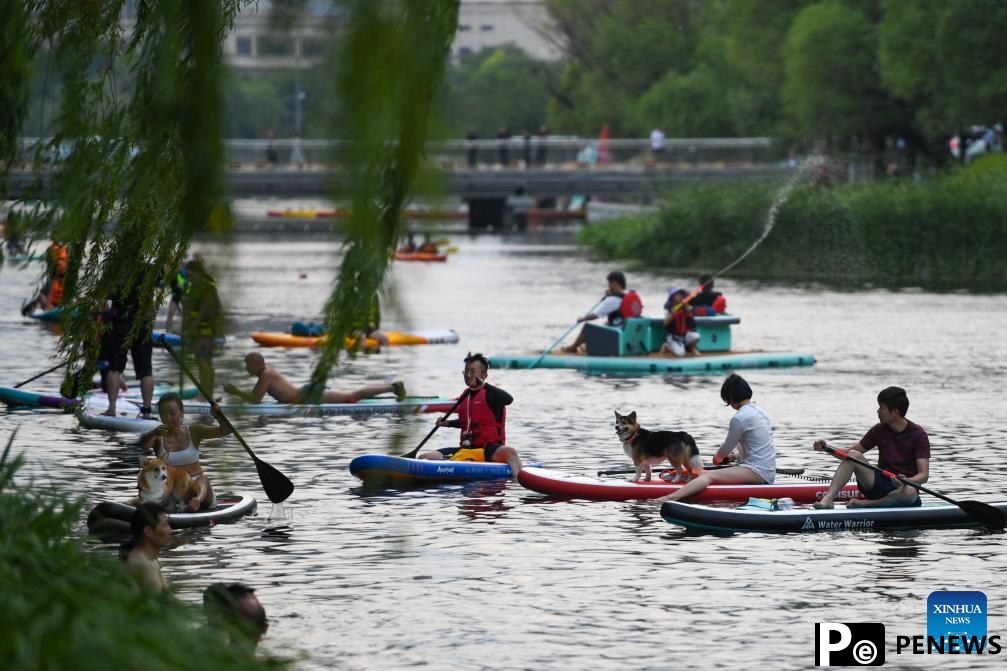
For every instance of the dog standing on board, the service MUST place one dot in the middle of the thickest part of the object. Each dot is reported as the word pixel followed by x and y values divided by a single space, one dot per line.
pixel 171 487
pixel 649 448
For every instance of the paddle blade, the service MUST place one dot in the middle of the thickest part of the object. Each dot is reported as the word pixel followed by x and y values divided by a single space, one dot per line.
pixel 990 517
pixel 277 486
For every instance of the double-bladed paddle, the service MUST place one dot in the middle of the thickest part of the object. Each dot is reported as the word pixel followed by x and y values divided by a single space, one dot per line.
pixel 277 486
pixel 412 454
pixel 988 516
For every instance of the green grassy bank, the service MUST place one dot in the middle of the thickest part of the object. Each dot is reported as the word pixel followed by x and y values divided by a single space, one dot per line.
pixel 66 607
pixel 949 231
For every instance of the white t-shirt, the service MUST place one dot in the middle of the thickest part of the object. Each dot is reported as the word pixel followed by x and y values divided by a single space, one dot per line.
pixel 752 431
pixel 608 306
pixel 656 139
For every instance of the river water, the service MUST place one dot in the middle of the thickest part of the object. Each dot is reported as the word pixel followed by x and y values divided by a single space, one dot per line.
pixel 491 576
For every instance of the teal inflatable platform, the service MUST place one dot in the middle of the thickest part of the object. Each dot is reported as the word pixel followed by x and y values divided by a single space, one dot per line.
pixel 657 363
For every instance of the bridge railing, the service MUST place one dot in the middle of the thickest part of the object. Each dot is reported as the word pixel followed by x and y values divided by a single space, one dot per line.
pixel 553 152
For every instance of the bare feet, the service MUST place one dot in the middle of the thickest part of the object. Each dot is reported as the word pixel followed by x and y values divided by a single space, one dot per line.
pixel 108 413
pixel 856 503
pixel 569 349
pixel 824 504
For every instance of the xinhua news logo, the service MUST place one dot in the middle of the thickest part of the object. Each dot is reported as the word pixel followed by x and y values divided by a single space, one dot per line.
pixel 849 644
pixel 954 620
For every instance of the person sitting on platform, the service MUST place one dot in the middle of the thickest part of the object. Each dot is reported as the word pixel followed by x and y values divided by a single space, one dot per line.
pixel 708 301
pixel 618 305
pixel 271 382
pixel 409 246
pixel 428 246
pixel 680 324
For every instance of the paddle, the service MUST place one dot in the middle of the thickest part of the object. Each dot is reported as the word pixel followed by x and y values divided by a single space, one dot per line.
pixel 565 334
pixel 412 454
pixel 626 471
pixel 990 517
pixel 277 486
pixel 32 379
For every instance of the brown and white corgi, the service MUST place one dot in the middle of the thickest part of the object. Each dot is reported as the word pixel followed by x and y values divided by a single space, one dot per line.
pixel 649 448
pixel 170 486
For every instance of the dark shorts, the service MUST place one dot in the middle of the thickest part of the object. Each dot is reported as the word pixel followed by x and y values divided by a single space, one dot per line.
pixel 115 352
pixel 202 347
pixel 311 393
pixel 488 451
pixel 882 487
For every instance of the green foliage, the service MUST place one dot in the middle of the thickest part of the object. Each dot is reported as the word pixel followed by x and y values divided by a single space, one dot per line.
pixel 949 232
pixel 494 88
pixel 15 73
pixel 973 62
pixel 67 607
pixel 831 87
pixel 137 136
pixel 388 70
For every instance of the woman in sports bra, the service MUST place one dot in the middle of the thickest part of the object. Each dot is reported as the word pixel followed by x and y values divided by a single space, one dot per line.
pixel 178 445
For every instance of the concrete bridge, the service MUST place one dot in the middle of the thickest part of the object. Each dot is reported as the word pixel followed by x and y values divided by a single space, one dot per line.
pixel 484 173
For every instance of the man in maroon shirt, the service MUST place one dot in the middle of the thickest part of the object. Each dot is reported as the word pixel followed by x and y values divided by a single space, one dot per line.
pixel 903 448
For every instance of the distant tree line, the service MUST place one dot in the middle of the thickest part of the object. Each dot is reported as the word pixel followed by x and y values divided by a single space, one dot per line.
pixel 846 73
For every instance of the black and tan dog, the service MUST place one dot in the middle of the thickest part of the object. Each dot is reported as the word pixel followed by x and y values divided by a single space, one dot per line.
pixel 648 448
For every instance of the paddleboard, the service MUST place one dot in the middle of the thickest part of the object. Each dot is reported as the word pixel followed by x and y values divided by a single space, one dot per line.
pixel 12 396
pixel 395 338
pixel 386 471
pixel 565 485
pixel 111 518
pixel 807 520
pixel 369 406
pixel 127 419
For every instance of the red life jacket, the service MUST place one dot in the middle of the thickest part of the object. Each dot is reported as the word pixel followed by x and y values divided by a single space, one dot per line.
pixel 720 305
pixel 631 305
pixel 478 420
pixel 680 322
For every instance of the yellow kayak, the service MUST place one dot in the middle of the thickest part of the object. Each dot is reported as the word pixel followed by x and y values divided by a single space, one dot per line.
pixel 397 338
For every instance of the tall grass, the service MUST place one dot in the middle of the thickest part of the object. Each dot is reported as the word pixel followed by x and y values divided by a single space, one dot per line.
pixel 948 231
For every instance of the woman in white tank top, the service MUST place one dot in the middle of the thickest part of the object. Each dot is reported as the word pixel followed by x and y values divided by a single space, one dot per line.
pixel 178 445
pixel 751 432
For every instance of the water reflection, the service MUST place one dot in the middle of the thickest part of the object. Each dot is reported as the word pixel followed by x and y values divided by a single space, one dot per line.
pixel 358 578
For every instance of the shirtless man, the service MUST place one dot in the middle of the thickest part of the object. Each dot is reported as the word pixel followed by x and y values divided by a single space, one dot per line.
pixel 273 383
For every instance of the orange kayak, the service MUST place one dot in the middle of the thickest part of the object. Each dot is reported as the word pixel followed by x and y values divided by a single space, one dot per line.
pixel 419 256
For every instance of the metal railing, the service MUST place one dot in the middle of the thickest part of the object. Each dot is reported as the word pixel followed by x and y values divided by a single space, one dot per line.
pixel 549 153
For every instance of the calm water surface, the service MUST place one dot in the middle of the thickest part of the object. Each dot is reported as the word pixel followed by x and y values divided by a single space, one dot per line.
pixel 491 575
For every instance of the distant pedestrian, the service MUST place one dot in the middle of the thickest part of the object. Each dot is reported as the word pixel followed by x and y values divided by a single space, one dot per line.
pixel 297 152
pixel 503 146
pixel 472 148
pixel 541 151
pixel 272 156
pixel 526 136
pixel 657 144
